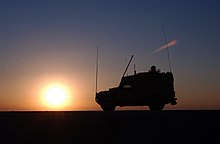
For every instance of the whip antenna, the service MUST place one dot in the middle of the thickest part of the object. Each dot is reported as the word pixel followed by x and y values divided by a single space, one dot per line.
pixel 167 47
pixel 128 66
pixel 97 67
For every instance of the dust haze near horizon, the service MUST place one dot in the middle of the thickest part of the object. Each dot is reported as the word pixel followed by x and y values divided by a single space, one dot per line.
pixel 54 41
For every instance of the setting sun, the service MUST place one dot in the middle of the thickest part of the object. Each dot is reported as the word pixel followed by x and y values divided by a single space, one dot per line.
pixel 56 96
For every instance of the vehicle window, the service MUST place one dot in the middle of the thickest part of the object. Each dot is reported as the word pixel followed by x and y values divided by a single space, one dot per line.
pixel 127 86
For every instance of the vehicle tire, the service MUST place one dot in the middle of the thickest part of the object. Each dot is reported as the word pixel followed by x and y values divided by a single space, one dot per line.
pixel 108 108
pixel 156 106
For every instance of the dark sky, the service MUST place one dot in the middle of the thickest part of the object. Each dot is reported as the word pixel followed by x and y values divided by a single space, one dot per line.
pixel 47 41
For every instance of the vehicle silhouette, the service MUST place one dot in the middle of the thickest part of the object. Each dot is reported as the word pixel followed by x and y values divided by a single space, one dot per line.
pixel 152 88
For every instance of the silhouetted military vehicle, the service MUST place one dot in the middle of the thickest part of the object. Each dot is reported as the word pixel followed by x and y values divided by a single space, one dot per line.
pixel 152 88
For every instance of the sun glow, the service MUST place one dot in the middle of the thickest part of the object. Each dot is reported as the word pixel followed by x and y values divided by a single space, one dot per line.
pixel 56 96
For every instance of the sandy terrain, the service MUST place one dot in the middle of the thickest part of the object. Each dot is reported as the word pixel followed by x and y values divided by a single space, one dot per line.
pixel 128 127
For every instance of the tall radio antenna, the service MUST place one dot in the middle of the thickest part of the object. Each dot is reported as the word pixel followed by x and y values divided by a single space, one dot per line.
pixel 168 54
pixel 97 67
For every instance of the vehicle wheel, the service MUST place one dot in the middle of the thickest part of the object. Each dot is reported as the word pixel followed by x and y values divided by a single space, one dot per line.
pixel 156 106
pixel 108 107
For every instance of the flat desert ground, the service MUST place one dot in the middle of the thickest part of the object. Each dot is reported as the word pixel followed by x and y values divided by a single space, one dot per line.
pixel 129 127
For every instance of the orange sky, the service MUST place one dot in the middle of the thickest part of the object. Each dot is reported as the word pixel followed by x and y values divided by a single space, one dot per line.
pixel 44 42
